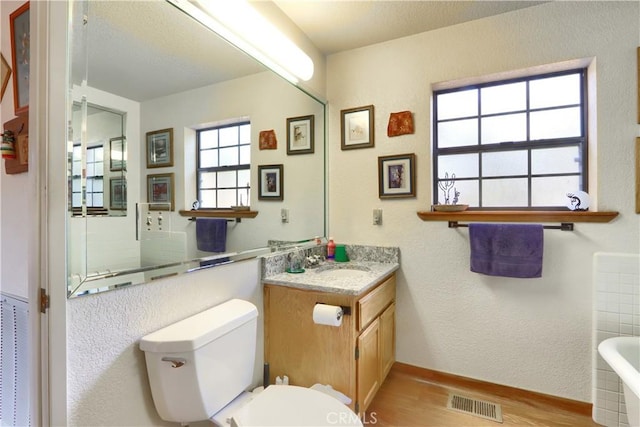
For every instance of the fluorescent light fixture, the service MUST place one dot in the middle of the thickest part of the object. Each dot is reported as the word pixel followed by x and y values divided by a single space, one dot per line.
pixel 240 24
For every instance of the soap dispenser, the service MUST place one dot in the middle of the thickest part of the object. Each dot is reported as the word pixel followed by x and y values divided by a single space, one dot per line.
pixel 331 249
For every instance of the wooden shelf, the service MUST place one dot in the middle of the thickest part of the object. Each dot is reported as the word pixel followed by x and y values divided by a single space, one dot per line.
pixel 519 216
pixel 219 213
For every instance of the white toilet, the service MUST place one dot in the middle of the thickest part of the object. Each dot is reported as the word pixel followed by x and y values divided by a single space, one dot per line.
pixel 200 367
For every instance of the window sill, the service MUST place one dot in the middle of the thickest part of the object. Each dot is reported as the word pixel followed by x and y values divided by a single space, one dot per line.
pixel 519 216
pixel 219 213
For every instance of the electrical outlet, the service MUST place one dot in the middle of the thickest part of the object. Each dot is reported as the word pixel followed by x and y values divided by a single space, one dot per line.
pixel 377 216
pixel 284 215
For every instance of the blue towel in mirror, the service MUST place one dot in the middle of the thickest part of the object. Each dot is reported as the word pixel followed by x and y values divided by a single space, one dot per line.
pixel 508 250
pixel 211 234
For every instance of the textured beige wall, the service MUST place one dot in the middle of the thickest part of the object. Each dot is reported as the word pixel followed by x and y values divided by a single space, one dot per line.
pixel 106 371
pixel 14 200
pixel 533 334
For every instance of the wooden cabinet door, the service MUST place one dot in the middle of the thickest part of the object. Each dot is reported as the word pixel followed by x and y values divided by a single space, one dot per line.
pixel 368 364
pixel 387 340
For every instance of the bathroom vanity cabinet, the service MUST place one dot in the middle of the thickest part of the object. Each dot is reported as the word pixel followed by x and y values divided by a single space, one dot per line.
pixel 354 358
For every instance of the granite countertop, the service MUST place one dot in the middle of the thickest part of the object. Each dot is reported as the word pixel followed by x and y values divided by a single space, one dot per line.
pixel 360 277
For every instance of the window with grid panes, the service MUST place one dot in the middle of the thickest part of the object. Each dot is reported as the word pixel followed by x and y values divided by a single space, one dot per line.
pixel 95 181
pixel 224 162
pixel 512 144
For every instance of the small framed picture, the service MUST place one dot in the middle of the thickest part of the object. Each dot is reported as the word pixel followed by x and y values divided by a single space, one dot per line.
pixel 5 73
pixel 118 194
pixel 397 176
pixel 300 132
pixel 270 182
pixel 160 192
pixel 160 148
pixel 357 128
pixel 117 154
pixel 20 51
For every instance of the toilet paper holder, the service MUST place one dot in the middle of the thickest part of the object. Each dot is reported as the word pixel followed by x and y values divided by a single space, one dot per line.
pixel 346 310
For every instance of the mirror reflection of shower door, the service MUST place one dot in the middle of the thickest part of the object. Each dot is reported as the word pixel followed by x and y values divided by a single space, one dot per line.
pixel 97 184
pixel 98 165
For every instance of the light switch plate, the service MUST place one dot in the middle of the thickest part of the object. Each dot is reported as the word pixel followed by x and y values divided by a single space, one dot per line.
pixel 377 216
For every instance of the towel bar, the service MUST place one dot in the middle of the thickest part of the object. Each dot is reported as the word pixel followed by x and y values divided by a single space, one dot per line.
pixel 193 218
pixel 564 226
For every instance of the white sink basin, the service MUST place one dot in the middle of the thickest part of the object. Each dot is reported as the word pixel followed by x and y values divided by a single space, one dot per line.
pixel 342 273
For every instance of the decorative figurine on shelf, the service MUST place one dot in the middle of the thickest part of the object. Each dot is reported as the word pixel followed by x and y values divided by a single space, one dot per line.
pixel 446 185
pixel 578 201
pixel 450 205
pixel 242 206
pixel 456 195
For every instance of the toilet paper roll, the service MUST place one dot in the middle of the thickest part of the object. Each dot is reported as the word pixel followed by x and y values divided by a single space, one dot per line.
pixel 324 314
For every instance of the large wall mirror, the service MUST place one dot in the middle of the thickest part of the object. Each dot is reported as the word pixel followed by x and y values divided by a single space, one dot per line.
pixel 147 85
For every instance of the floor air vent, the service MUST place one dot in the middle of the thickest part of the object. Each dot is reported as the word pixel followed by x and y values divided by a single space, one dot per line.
pixel 479 408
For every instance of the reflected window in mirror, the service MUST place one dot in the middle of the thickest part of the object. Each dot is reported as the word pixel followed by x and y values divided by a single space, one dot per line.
pixel 224 165
pixel 95 174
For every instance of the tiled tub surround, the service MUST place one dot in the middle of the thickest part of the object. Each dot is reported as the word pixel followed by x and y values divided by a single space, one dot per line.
pixel 374 261
pixel 617 313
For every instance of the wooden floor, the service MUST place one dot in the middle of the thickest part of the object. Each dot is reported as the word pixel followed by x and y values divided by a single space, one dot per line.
pixel 410 399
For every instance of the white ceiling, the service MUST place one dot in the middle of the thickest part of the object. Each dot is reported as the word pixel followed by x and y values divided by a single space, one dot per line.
pixel 143 50
pixel 129 39
pixel 339 25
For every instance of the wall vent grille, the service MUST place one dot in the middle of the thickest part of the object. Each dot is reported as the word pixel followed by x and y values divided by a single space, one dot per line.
pixel 479 408
pixel 14 356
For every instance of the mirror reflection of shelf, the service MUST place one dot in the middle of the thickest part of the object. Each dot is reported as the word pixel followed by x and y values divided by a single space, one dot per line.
pixel 219 213
pixel 91 211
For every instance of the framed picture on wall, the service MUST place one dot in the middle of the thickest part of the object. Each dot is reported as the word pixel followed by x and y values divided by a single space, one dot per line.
pixel 117 154
pixel 20 50
pixel 160 192
pixel 5 73
pixel 397 176
pixel 357 128
pixel 270 182
pixel 160 148
pixel 118 194
pixel 300 132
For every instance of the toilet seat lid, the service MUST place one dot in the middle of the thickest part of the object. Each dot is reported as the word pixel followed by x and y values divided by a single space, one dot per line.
pixel 285 405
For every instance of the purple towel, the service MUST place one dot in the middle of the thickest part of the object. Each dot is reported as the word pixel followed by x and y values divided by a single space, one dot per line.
pixel 211 234
pixel 509 250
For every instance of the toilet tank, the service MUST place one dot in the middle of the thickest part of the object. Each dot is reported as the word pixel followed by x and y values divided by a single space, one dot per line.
pixel 198 365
